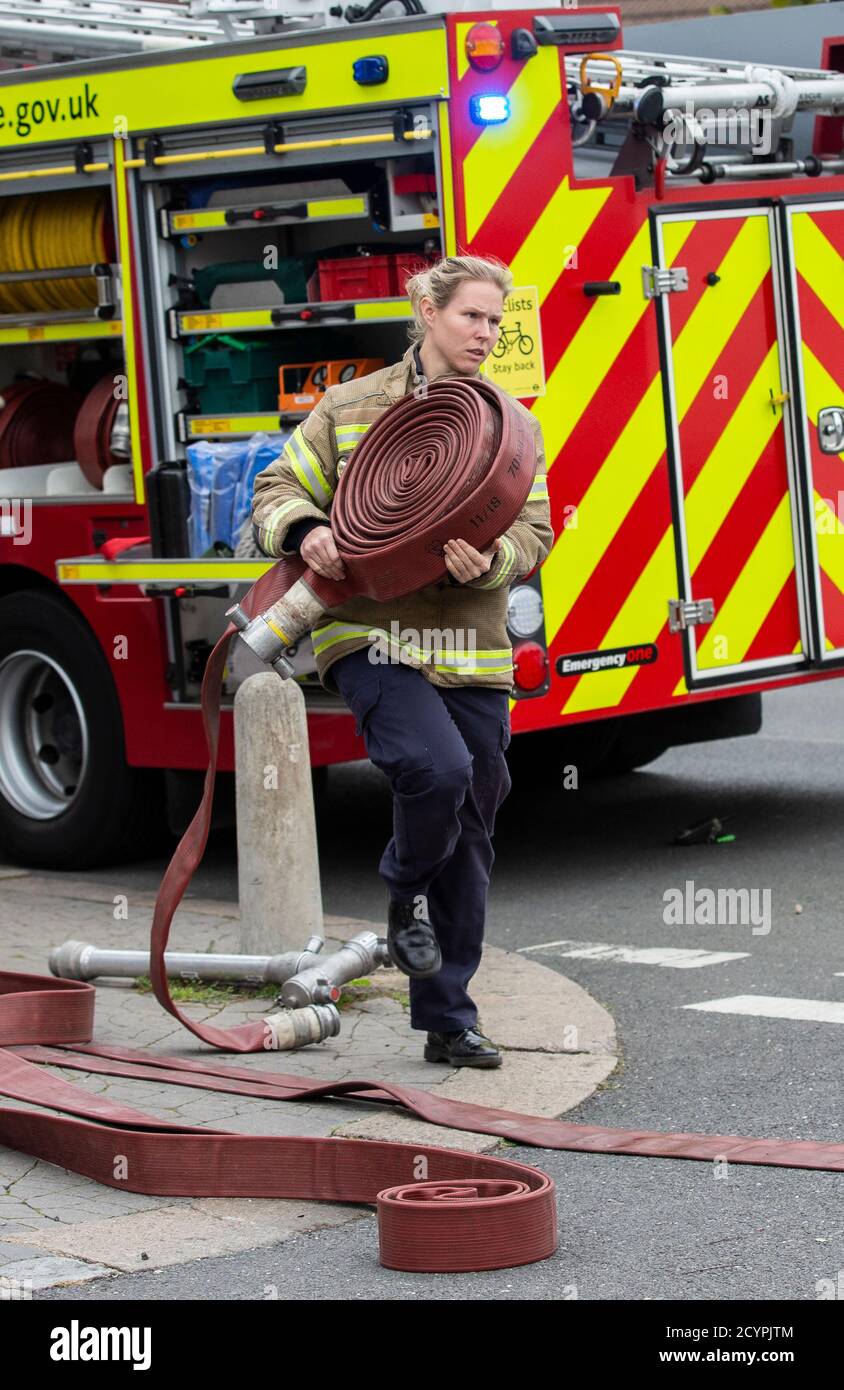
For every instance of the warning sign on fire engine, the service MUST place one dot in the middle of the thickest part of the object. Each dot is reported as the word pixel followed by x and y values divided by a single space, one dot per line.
pixel 515 362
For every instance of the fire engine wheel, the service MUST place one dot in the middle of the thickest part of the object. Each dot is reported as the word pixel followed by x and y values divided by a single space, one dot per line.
pixel 68 799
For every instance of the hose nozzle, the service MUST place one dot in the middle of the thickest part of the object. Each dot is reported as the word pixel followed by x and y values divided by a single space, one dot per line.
pixel 263 640
pixel 271 633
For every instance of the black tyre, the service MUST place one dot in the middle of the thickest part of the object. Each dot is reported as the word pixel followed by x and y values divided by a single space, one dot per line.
pixel 544 757
pixel 629 752
pixel 68 799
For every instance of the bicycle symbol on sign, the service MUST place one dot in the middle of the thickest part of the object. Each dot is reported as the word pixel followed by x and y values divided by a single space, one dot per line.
pixel 510 338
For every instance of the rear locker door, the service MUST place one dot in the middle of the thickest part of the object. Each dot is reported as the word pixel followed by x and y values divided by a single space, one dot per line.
pixel 728 420
pixel 814 246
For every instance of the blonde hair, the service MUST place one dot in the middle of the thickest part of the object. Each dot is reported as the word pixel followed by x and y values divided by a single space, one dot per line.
pixel 441 281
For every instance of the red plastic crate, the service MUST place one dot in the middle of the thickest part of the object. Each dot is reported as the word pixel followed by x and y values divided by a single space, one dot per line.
pixel 405 184
pixel 353 277
pixel 406 265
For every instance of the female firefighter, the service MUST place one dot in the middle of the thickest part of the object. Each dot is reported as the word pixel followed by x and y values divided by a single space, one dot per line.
pixel 435 719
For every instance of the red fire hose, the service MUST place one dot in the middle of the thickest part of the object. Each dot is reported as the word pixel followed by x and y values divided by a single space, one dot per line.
pixel 92 431
pixel 438 1209
pixel 44 422
pixel 36 423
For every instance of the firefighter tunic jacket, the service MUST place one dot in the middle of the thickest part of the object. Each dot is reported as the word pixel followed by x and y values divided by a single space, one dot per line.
pixel 453 633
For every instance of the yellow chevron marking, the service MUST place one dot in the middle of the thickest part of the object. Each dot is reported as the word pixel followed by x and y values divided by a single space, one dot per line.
pixel 578 374
pixel 830 540
pixel 631 461
pixel 594 347
pixel 568 214
pixel 818 262
pixel 644 611
pixel 579 549
pixel 823 269
pixel 732 460
pixel 634 455
pixel 822 390
pixel 500 149
pixel 751 598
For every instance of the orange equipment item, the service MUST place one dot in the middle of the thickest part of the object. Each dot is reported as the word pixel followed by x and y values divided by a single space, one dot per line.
pixel 302 383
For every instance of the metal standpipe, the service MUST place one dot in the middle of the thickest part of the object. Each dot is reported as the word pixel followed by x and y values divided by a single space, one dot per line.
pixel 310 982
pixel 307 985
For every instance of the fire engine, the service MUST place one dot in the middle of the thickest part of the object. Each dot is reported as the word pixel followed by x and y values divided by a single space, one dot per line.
pixel 207 214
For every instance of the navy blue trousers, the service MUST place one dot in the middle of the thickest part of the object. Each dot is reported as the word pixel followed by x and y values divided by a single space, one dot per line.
pixel 442 750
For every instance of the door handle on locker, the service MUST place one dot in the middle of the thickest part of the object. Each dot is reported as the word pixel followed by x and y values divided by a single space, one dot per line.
pixel 831 429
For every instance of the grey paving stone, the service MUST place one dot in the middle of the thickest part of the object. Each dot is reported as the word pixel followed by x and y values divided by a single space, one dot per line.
pixel 46 1271
pixel 9 1252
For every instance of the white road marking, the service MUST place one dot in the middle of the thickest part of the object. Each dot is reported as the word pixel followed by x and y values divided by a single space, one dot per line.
pixel 775 1006
pixel 679 957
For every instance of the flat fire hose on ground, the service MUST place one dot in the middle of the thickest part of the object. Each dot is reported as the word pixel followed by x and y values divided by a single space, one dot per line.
pixel 438 1209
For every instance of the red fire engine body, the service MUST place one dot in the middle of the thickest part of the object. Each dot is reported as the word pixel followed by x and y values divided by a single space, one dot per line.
pixel 679 333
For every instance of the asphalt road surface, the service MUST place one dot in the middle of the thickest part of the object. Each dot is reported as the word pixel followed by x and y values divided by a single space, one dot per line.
pixel 593 866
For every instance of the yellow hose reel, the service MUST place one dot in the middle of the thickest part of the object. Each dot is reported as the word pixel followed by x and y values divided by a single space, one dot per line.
pixel 44 231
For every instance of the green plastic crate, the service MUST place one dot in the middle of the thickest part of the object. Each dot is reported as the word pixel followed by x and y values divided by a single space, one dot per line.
pixel 233 375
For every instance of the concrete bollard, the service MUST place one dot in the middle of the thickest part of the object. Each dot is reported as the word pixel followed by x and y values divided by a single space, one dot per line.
pixel 277 856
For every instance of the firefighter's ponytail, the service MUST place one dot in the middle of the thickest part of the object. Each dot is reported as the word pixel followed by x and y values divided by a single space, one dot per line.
pixel 440 281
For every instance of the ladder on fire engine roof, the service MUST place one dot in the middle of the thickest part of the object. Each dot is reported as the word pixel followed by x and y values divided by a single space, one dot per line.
pixel 36 32
pixel 687 83
pixel 54 31
pixel 673 104
pixel 46 31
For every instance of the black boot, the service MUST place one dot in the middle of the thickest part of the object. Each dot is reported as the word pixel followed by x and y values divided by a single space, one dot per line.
pixel 465 1048
pixel 411 942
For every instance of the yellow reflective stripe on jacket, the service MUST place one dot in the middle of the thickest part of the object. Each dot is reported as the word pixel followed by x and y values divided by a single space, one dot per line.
pixel 539 490
pixel 490 663
pixel 509 564
pixel 339 633
pixel 307 468
pixel 325 637
pixel 494 661
pixel 276 516
pixel 348 436
pixel 508 561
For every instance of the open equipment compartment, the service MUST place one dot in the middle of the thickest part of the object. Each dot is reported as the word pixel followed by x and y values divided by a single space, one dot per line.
pixel 235 258
pixel 64 429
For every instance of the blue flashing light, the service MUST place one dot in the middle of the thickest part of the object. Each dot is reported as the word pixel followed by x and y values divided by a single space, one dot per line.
pixel 489 109
pixel 370 71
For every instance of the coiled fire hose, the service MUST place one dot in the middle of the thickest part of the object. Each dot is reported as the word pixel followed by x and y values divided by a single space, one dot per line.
pixel 92 432
pixel 438 1209
pixel 456 461
pixel 42 421
pixel 37 422
pixel 45 231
